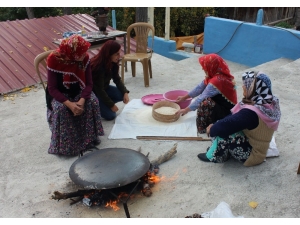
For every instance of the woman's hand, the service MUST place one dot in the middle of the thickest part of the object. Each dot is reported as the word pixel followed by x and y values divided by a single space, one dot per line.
pixel 126 98
pixel 80 103
pixel 208 129
pixel 76 110
pixel 114 108
pixel 180 99
pixel 182 112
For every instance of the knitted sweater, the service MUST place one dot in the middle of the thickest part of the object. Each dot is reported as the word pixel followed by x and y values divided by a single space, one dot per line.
pixel 101 81
pixel 259 139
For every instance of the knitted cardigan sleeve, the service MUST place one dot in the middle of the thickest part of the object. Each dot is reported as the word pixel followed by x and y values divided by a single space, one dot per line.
pixel 208 91
pixel 244 119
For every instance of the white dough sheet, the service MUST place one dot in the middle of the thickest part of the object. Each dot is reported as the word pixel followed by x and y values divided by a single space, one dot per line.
pixel 136 120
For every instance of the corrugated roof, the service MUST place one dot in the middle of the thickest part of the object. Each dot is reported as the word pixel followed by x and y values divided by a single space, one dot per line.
pixel 22 40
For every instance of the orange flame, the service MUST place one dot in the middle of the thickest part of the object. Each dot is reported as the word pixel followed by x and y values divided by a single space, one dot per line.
pixel 113 205
pixel 154 178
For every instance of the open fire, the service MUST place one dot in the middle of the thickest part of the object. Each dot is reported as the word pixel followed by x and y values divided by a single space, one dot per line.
pixel 113 175
pixel 112 197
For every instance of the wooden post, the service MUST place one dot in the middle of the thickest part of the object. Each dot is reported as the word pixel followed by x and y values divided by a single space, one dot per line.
pixel 172 138
pixel 167 24
pixel 150 18
pixel 151 15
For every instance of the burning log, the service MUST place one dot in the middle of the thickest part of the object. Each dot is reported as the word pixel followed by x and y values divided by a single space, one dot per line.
pixel 80 194
pixel 154 169
pixel 151 183
pixel 146 190
pixel 91 196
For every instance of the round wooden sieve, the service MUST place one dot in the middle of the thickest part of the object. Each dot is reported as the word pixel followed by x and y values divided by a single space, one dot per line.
pixel 165 118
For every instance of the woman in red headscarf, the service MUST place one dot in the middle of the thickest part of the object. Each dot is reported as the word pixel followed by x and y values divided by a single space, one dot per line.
pixel 72 108
pixel 214 96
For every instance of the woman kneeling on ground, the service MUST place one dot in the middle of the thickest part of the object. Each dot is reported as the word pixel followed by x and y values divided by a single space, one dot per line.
pixel 72 108
pixel 246 134
pixel 105 66
pixel 216 94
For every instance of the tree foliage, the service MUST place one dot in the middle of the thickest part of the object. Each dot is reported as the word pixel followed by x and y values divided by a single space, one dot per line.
pixel 13 13
pixel 284 24
pixel 124 17
pixel 184 21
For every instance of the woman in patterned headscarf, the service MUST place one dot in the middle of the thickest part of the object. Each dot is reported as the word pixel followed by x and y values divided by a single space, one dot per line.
pixel 216 94
pixel 246 134
pixel 72 108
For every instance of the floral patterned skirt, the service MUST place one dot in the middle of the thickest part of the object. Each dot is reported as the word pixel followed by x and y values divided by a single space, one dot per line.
pixel 234 146
pixel 210 111
pixel 73 134
pixel 204 114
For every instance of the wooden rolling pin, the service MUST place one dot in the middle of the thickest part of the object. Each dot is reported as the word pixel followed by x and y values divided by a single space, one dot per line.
pixel 173 138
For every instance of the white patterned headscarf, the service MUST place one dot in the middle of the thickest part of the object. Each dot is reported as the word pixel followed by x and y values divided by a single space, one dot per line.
pixel 263 102
pixel 262 85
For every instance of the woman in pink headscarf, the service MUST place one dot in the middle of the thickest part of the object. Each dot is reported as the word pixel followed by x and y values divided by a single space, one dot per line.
pixel 72 108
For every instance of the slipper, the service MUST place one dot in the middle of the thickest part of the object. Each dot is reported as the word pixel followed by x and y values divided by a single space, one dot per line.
pixel 202 157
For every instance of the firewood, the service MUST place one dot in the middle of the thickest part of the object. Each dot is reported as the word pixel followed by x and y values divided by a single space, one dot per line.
pixel 165 157
pixel 80 193
pixel 76 200
pixel 151 183
pixel 146 190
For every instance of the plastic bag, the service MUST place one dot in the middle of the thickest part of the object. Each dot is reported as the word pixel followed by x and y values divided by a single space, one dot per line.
pixel 221 211
pixel 273 150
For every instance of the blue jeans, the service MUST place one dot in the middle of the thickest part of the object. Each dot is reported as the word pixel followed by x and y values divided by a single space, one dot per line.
pixel 116 96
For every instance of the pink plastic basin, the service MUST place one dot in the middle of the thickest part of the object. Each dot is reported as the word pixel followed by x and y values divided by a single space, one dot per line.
pixel 174 94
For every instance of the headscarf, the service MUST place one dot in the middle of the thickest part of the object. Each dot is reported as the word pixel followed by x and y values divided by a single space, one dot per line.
pixel 260 98
pixel 65 60
pixel 219 76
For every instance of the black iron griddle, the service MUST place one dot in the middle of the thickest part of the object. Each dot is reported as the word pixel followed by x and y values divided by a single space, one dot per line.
pixel 109 168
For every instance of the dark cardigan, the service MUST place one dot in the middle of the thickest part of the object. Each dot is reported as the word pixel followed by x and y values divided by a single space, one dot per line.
pixel 101 80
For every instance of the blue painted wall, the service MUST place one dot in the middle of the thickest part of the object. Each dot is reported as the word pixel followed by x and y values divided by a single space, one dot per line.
pixel 250 44
pixel 168 49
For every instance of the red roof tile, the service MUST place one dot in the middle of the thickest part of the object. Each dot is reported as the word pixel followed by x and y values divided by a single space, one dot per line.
pixel 22 40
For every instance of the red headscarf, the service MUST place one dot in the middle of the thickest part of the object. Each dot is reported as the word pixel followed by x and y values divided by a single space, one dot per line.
pixel 66 60
pixel 219 76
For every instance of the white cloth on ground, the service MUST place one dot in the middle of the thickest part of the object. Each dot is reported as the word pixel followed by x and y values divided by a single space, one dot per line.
pixel 136 120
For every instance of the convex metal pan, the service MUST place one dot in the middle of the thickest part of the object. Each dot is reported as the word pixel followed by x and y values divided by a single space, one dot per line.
pixel 109 168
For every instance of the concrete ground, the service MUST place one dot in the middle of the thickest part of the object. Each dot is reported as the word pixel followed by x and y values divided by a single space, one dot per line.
pixel 29 175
